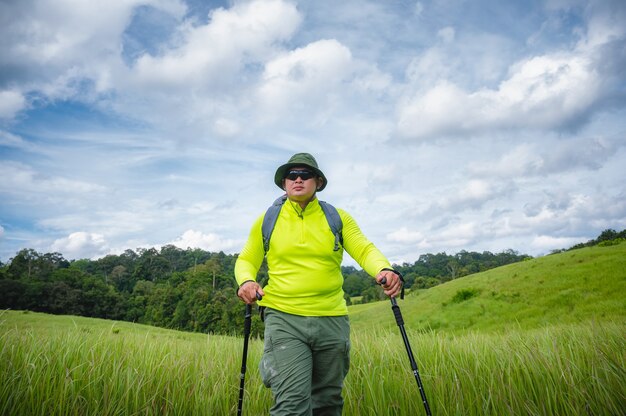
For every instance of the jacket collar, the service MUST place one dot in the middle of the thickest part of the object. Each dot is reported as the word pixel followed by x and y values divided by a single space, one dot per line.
pixel 312 206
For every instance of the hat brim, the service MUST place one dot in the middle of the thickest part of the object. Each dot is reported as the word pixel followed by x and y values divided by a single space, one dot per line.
pixel 282 171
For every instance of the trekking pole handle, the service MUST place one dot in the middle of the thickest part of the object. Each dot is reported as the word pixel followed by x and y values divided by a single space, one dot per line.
pixel 394 306
pixel 397 273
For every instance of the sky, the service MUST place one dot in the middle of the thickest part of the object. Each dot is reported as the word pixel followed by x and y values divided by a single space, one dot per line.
pixel 442 125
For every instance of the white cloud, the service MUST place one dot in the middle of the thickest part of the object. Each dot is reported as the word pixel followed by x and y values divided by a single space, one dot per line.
pixel 20 178
pixel 13 140
pixel 551 88
pixel 419 8
pixel 522 160
pixel 446 34
pixel 204 78
pixel 59 33
pixel 65 49
pixel 461 234
pixel 140 129
pixel 81 245
pixel 458 236
pixel 213 54
pixel 530 159
pixel 373 81
pixel 558 90
pixel 605 23
pixel 226 128
pixel 127 218
pixel 209 242
pixel 428 68
pixel 307 75
pixel 570 214
pixel 11 102
pixel 548 92
pixel 580 153
pixel 546 243
pixel 472 195
pixel 404 235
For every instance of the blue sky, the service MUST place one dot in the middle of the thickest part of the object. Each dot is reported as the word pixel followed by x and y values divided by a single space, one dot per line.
pixel 442 125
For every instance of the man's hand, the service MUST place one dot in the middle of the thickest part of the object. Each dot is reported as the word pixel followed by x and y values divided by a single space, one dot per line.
pixel 248 292
pixel 393 285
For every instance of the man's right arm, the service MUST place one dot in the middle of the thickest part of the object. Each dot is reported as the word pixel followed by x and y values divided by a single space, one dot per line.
pixel 248 264
pixel 251 256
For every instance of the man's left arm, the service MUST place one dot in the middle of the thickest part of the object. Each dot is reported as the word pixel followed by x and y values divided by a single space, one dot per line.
pixel 367 255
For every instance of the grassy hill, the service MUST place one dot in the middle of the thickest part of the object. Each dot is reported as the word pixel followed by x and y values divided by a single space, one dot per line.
pixel 570 287
pixel 543 337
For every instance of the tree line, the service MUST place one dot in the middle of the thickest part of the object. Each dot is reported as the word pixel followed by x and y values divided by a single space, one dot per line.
pixel 192 289
pixel 606 237
pixel 429 270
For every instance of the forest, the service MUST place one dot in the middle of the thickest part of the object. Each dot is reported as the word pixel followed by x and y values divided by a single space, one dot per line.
pixel 192 289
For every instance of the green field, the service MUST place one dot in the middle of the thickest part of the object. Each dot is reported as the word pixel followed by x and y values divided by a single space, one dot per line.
pixel 542 337
pixel 573 287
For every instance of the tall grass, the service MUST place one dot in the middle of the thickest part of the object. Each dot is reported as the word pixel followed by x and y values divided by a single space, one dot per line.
pixel 80 366
pixel 114 370
pixel 568 370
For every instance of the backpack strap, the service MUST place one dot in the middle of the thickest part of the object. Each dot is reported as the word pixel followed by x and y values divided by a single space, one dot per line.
pixel 271 215
pixel 334 221
pixel 269 221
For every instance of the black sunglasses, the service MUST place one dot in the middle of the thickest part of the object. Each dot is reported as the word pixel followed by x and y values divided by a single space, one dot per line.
pixel 292 175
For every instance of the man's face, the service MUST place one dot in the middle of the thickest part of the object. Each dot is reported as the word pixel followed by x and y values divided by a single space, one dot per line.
pixel 301 183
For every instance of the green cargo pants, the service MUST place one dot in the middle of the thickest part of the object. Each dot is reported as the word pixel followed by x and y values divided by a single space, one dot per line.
pixel 305 360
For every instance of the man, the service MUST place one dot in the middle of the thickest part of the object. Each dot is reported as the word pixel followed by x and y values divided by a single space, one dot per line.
pixel 307 331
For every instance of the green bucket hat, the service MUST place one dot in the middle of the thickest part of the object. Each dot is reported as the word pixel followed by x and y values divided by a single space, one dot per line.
pixel 299 159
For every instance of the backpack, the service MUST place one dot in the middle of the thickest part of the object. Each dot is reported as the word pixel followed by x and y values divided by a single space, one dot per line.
pixel 271 215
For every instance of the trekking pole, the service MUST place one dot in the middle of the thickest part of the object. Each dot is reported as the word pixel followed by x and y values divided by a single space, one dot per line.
pixel 396 312
pixel 247 323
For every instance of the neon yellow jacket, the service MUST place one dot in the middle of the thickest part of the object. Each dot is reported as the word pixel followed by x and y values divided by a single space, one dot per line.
pixel 304 272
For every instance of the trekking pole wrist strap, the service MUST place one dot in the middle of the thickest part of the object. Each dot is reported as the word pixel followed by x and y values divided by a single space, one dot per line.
pixel 245 282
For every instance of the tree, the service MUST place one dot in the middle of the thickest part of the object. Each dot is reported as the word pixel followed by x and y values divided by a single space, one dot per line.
pixel 213 265
pixel 348 299
pixel 161 305
pixel 63 299
pixel 354 284
pixel 138 301
pixel 372 294
pixel 607 235
pixel 149 265
pixel 453 268
pixel 23 264
pixel 174 257
pixel 120 279
pixel 425 283
pixel 12 294
pixel 98 299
